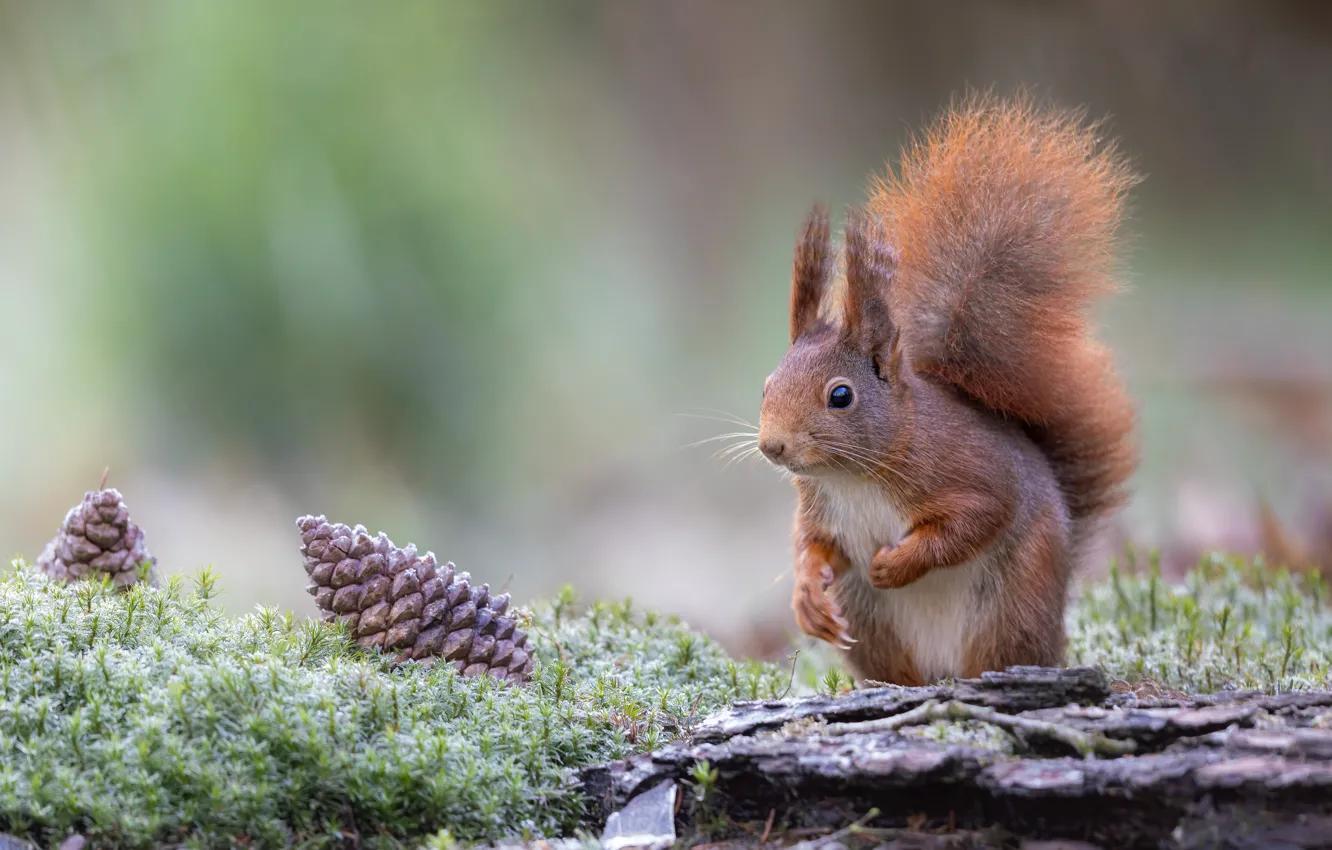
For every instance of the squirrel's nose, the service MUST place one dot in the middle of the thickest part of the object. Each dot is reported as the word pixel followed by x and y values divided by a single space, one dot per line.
pixel 772 448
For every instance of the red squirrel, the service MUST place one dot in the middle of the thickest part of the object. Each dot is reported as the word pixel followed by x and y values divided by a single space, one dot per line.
pixel 955 432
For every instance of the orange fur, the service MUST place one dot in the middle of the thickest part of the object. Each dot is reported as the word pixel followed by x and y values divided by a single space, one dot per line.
pixel 1005 218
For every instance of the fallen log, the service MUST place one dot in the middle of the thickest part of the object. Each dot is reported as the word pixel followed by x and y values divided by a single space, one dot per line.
pixel 1061 758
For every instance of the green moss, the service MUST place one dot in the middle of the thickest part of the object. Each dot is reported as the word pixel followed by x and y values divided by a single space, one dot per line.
pixel 1230 624
pixel 149 717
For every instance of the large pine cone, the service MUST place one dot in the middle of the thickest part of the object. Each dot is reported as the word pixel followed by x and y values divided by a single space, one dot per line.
pixel 97 539
pixel 400 601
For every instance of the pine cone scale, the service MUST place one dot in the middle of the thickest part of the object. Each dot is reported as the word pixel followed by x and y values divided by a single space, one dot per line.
pixel 102 534
pixel 407 608
pixel 463 616
pixel 348 599
pixel 518 659
pixel 435 612
pixel 429 643
pixel 405 582
pixel 109 561
pixel 376 591
pixel 344 573
pixel 321 574
pixel 372 566
pixel 402 634
pixel 433 589
pixel 457 645
pixel 82 549
pixel 374 618
pixel 483 647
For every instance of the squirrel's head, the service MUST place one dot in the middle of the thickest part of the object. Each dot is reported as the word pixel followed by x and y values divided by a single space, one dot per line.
pixel 833 404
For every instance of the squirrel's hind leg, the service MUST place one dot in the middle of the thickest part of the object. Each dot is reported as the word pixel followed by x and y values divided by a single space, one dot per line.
pixel 883 658
pixel 1028 627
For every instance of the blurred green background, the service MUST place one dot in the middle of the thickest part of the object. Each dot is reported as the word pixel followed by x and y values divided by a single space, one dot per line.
pixel 458 270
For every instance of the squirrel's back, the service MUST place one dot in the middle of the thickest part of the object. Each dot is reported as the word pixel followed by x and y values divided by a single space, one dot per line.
pixel 1005 219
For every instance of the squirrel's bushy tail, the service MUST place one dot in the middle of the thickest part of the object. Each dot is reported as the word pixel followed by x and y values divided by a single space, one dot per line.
pixel 1004 215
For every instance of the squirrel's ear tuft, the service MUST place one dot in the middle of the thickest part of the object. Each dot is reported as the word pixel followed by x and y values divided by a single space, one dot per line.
pixel 809 276
pixel 871 263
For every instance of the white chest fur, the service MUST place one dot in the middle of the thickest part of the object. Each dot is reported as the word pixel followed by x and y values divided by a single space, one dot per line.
pixel 934 617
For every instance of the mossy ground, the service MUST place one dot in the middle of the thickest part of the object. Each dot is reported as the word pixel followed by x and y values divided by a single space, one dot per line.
pixel 149 717
pixel 1230 624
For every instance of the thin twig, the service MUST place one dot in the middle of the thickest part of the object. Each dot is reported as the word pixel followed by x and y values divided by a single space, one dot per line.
pixel 790 683
pixel 927 712
pixel 564 656
pixel 767 827
pixel 849 829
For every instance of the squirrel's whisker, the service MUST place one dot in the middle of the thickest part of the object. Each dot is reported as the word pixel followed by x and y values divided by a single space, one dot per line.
pixel 877 462
pixel 864 466
pixel 867 462
pixel 725 417
pixel 869 469
pixel 747 453
pixel 743 444
pixel 728 414
pixel 732 435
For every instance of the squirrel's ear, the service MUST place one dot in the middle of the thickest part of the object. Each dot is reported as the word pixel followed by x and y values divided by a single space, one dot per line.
pixel 809 276
pixel 871 263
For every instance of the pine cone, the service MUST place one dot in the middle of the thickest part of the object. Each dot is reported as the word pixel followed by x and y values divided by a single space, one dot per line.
pixel 400 601
pixel 98 539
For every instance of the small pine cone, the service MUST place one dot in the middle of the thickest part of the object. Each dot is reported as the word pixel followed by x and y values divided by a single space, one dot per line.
pixel 403 602
pixel 97 539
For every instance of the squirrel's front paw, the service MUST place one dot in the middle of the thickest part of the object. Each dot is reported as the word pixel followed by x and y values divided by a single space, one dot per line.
pixel 886 572
pixel 817 615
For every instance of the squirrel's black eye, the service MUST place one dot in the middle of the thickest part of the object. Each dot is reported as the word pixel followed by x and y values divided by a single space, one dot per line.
pixel 840 397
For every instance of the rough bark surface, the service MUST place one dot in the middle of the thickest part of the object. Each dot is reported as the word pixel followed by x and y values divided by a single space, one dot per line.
pixel 1233 769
